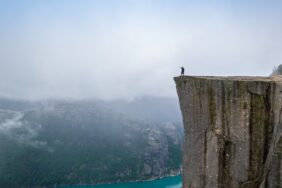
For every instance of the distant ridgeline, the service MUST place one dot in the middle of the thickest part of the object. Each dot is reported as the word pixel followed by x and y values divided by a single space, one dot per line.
pixel 88 142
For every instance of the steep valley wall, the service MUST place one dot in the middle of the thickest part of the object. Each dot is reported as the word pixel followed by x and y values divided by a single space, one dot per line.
pixel 232 131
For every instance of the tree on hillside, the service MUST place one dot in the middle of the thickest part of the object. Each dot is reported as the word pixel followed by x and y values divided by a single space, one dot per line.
pixel 277 70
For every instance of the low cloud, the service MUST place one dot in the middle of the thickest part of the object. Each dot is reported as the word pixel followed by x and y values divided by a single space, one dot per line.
pixel 23 132
pixel 135 51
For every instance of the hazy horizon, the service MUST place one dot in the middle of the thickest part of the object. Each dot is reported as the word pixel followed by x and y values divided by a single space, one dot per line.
pixel 125 49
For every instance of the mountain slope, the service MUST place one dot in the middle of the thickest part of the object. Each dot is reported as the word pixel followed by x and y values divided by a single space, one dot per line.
pixel 81 142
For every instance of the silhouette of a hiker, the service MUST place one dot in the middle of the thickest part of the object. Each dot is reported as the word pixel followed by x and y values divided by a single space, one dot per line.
pixel 182 71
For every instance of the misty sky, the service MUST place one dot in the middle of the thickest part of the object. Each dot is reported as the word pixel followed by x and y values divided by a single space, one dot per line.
pixel 112 49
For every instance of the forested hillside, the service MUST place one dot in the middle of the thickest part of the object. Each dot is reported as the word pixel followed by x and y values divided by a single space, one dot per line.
pixel 54 142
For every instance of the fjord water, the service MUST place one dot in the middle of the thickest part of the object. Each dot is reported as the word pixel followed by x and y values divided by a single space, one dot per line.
pixel 169 182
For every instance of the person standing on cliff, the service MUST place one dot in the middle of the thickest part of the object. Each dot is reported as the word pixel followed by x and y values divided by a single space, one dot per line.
pixel 182 71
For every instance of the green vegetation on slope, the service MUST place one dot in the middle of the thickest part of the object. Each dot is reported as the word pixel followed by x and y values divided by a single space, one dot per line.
pixel 82 143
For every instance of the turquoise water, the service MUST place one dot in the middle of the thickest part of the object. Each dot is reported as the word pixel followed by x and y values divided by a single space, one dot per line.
pixel 169 182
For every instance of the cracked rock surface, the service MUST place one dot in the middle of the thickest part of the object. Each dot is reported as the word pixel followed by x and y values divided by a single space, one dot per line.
pixel 233 134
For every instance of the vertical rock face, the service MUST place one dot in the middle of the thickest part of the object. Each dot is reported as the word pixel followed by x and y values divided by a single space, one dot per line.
pixel 232 131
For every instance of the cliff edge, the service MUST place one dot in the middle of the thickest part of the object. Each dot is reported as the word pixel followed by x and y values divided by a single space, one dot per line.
pixel 233 136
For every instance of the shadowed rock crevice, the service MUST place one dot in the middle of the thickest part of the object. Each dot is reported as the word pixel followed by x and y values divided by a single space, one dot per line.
pixel 232 131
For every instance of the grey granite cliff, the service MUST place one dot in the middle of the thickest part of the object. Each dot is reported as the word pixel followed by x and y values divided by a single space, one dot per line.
pixel 232 131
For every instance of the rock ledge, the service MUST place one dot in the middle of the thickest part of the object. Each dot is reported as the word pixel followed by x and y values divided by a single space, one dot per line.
pixel 233 131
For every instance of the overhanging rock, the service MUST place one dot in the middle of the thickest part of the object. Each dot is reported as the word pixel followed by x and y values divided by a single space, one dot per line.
pixel 232 131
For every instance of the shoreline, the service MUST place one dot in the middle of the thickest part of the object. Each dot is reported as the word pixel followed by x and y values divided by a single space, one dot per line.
pixel 121 182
